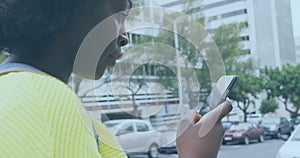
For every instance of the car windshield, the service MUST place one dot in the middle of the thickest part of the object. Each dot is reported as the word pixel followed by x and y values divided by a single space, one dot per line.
pixel 226 123
pixel 296 135
pixel 110 124
pixel 239 127
pixel 297 121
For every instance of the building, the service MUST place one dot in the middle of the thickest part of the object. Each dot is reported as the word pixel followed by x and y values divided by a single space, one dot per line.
pixel 268 34
pixel 297 47
pixel 267 37
pixel 269 31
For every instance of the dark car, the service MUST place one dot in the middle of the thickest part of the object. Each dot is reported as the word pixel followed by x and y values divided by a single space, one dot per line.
pixel 294 123
pixel 276 126
pixel 243 132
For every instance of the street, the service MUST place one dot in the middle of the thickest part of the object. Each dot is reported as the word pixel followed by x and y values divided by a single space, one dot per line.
pixel 267 149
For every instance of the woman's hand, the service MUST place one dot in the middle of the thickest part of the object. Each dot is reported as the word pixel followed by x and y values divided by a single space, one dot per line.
pixel 201 137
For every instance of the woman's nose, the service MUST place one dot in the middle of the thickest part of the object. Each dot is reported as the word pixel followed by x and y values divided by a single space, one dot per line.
pixel 123 40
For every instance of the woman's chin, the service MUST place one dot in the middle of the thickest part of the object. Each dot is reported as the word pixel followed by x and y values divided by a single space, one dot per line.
pixel 99 74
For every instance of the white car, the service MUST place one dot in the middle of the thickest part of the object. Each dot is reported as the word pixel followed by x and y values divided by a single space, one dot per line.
pixel 135 136
pixel 291 148
pixel 168 139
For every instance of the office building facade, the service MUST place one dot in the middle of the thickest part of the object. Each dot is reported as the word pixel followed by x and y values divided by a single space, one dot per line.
pixel 297 47
pixel 268 34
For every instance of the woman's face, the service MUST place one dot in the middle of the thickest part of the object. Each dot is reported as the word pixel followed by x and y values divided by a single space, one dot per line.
pixel 109 18
pixel 112 53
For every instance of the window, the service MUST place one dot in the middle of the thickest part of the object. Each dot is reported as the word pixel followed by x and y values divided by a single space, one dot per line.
pixel 221 3
pixel 150 69
pixel 229 14
pixel 141 127
pixel 234 13
pixel 248 51
pixel 245 38
pixel 213 18
pixel 209 6
pixel 254 126
pixel 128 127
pixel 283 120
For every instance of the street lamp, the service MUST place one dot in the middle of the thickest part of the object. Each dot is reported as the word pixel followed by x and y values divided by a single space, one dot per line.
pixel 178 64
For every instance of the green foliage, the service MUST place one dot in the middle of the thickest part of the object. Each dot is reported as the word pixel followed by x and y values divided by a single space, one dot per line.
pixel 283 84
pixel 2 56
pixel 248 85
pixel 228 40
pixel 268 105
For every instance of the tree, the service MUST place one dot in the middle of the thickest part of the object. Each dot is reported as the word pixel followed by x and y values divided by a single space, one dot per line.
pixel 165 71
pixel 245 91
pixel 2 56
pixel 248 85
pixel 268 105
pixel 227 38
pixel 284 84
pixel 134 88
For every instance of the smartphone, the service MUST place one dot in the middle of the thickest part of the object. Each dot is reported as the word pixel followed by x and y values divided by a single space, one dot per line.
pixel 218 94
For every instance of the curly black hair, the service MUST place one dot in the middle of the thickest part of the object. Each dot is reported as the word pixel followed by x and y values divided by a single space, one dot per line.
pixel 24 22
pixel 30 20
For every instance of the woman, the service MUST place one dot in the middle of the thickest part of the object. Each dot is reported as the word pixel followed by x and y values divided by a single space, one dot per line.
pixel 40 116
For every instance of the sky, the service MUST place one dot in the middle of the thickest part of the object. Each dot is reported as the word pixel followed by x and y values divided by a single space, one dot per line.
pixel 295 4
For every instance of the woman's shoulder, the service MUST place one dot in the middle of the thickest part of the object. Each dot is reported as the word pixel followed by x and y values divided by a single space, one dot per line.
pixel 44 89
pixel 34 83
pixel 50 94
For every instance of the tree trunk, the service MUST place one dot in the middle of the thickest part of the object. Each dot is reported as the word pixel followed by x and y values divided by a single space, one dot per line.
pixel 245 115
pixel 135 112
pixel 246 106
pixel 294 114
pixel 244 110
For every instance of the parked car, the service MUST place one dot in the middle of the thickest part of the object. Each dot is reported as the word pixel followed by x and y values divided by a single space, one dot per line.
pixel 135 136
pixel 227 124
pixel 294 123
pixel 168 139
pixel 276 126
pixel 290 149
pixel 255 118
pixel 243 132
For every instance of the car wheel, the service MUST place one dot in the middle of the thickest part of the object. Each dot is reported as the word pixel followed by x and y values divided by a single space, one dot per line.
pixel 290 133
pixel 278 135
pixel 261 138
pixel 224 142
pixel 153 151
pixel 246 140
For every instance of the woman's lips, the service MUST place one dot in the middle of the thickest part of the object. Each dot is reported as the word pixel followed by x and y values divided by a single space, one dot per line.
pixel 112 60
pixel 118 56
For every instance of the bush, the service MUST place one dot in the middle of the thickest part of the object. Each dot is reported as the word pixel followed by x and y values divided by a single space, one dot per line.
pixel 268 105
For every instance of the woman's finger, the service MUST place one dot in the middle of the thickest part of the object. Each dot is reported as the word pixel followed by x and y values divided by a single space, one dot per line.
pixel 213 117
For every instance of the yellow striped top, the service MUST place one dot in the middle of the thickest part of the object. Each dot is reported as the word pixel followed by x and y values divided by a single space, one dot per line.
pixel 40 117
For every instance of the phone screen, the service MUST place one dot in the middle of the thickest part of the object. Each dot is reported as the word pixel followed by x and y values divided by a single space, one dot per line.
pixel 218 94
